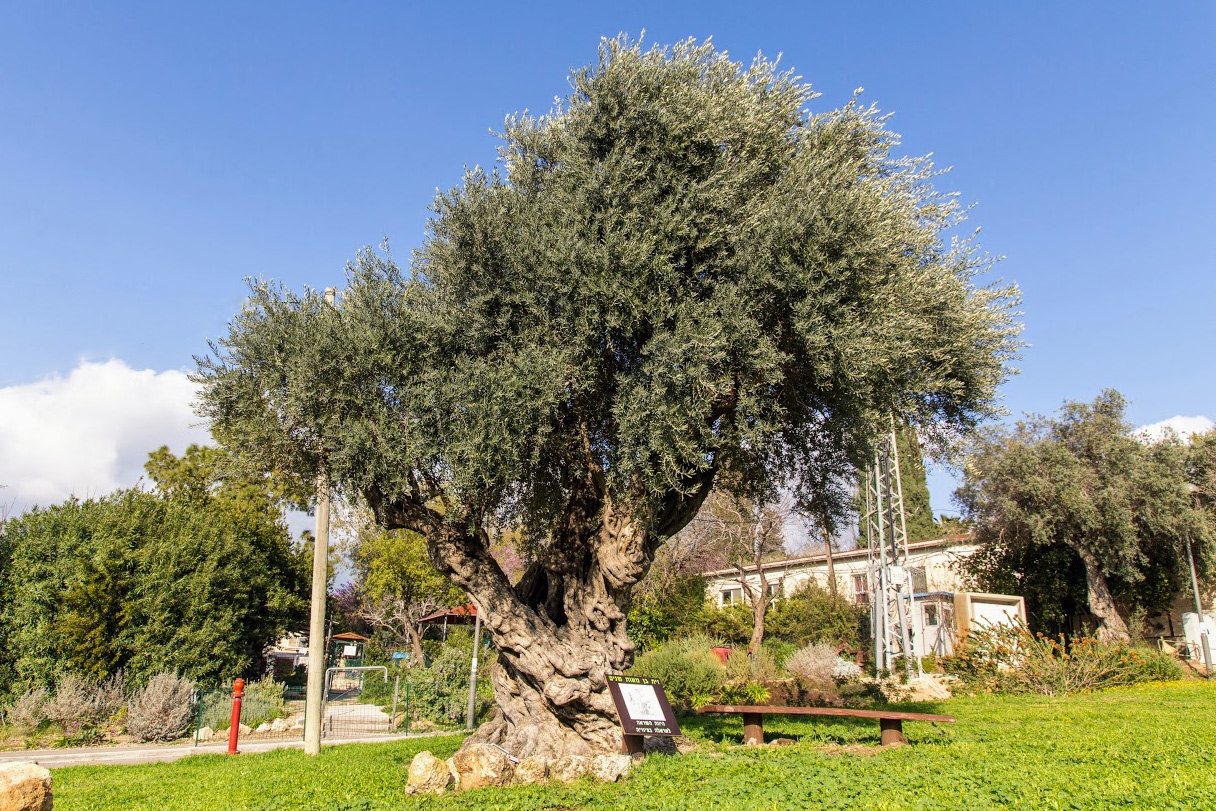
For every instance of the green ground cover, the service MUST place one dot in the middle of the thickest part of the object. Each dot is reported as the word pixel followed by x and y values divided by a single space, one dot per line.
pixel 1143 747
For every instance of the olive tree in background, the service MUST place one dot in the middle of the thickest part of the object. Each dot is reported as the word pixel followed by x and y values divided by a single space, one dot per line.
pixel 678 273
pixel 1079 515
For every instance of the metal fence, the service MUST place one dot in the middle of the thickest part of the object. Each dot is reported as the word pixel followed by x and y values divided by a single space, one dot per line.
pixel 357 702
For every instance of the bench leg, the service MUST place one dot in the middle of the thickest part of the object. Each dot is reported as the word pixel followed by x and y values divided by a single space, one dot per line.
pixel 892 731
pixel 753 728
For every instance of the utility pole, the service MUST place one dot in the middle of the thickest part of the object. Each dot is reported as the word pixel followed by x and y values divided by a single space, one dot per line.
pixel 1193 491
pixel 314 698
pixel 473 670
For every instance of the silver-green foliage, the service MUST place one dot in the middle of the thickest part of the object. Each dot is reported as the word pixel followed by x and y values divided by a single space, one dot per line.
pixel 79 702
pixel 161 710
pixel 678 270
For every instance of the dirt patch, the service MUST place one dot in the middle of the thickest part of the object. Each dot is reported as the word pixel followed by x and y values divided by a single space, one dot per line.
pixel 856 749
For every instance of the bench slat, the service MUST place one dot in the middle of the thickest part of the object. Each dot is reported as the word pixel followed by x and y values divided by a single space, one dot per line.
pixel 836 711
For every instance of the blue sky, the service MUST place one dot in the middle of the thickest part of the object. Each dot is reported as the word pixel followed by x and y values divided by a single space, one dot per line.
pixel 153 155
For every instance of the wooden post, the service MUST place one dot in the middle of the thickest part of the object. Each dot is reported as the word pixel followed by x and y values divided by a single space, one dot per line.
pixel 753 728
pixel 633 745
pixel 892 731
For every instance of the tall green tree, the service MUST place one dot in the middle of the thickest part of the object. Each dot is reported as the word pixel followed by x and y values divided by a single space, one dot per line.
pixel 679 272
pixel 396 584
pixel 1074 510
pixel 914 484
pixel 184 579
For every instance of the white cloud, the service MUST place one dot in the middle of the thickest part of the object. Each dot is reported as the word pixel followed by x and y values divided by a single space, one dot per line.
pixel 1183 427
pixel 90 433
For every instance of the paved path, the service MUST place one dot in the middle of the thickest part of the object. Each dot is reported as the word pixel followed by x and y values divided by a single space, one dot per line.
pixel 164 753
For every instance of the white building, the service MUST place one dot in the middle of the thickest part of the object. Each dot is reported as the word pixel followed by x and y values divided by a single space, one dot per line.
pixel 934 566
pixel 937 582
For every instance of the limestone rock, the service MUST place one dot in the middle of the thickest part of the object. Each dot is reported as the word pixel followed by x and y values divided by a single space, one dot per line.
pixel 427 775
pixel 263 728
pixel 24 786
pixel 609 768
pixel 569 768
pixel 783 742
pixel 480 764
pixel 205 734
pixel 279 725
pixel 531 769
pixel 243 729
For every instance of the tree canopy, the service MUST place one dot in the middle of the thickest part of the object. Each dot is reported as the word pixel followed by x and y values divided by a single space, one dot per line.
pixel 1075 512
pixel 678 272
pixel 147 582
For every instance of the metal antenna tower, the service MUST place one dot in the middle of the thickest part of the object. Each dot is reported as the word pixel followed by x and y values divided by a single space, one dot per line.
pixel 886 529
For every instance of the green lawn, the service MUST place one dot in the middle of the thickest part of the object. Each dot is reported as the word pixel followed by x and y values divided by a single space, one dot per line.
pixel 1144 747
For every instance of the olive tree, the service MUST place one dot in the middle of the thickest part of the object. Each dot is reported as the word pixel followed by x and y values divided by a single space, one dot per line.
pixel 1081 486
pixel 678 273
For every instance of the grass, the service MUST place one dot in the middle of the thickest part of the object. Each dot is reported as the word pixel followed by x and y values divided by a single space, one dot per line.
pixel 1146 747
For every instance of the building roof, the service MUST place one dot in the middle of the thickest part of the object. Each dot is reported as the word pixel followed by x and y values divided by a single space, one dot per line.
pixel 349 637
pixel 461 613
pixel 849 554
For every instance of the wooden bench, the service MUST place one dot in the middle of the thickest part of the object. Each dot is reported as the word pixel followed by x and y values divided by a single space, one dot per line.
pixel 890 722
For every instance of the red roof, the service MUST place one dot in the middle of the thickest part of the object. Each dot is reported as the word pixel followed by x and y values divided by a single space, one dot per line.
pixel 460 612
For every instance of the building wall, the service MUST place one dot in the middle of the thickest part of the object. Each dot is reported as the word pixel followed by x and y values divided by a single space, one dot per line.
pixel 938 559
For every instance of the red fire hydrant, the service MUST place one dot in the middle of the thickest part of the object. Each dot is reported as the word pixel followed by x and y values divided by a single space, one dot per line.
pixel 238 689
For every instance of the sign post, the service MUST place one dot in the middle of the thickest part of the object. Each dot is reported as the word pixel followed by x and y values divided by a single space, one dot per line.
pixel 643 708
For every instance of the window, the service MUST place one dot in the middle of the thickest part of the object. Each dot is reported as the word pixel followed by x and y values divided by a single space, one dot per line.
pixel 730 597
pixel 773 592
pixel 861 589
pixel 931 615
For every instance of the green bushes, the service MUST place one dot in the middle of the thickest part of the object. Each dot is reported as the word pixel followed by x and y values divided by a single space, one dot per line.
pixel 261 702
pixel 145 583
pixel 691 673
pixel 809 615
pixel 439 692
pixel 1011 659
pixel 675 611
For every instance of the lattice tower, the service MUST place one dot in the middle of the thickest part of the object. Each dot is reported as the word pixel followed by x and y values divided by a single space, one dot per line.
pixel 885 527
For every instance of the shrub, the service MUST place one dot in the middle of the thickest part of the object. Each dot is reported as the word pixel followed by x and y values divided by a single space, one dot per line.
pixel 440 691
pixel 746 692
pixel 758 667
pixel 28 710
pixel 161 710
pixel 81 706
pixel 112 696
pixel 1011 659
pixel 819 666
pixel 261 702
pixel 779 650
pixel 691 673
pixel 812 615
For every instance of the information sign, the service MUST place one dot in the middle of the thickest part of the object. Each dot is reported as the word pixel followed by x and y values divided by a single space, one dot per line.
pixel 642 705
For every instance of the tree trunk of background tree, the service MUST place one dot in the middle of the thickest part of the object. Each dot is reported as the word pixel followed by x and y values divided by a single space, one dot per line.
pixel 827 548
pixel 759 611
pixel 1111 626
pixel 560 631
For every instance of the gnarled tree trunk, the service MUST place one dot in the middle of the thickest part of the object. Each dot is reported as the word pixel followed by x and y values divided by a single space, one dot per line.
pixel 1111 626
pixel 561 630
